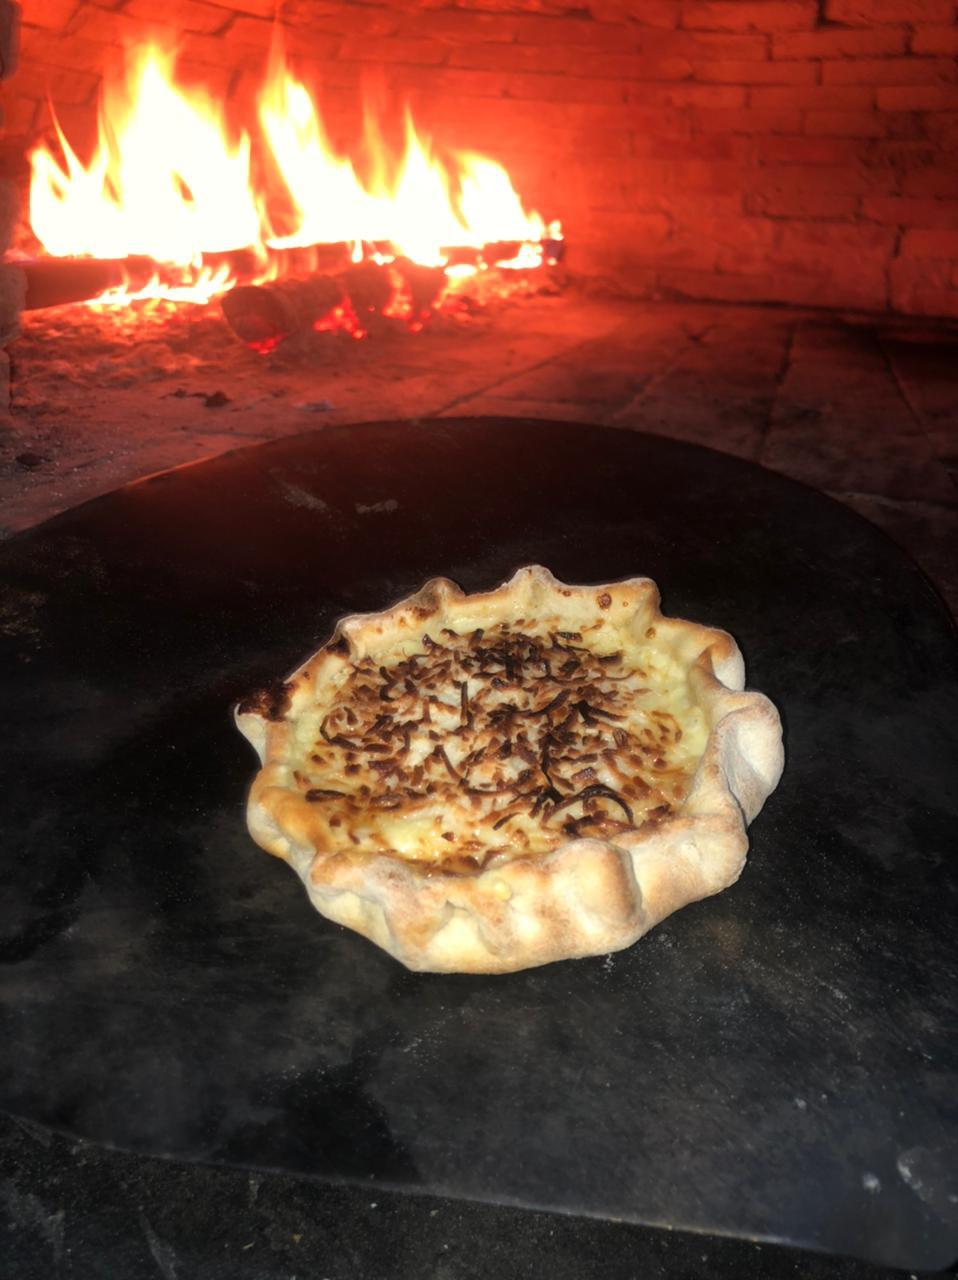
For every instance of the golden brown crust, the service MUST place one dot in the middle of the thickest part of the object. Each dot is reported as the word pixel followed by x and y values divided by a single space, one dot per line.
pixel 586 896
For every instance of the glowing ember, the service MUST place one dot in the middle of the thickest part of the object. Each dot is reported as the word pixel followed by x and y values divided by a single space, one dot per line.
pixel 170 181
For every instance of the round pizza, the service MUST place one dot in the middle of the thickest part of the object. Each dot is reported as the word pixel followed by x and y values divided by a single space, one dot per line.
pixel 484 783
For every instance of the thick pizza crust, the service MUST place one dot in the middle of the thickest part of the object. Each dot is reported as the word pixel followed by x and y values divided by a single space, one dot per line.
pixel 586 897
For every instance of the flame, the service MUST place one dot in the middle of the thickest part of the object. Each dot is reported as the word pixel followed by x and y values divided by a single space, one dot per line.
pixel 169 180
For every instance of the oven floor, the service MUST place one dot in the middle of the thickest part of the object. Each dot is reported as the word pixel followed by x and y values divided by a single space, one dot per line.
pixel 863 408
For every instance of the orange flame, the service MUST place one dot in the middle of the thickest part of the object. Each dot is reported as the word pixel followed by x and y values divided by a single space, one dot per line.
pixel 167 180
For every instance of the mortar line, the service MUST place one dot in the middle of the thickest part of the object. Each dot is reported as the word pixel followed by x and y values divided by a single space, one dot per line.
pixel 917 417
pixel 916 414
pixel 899 385
pixel 655 379
pixel 782 373
pixel 559 355
pixel 485 390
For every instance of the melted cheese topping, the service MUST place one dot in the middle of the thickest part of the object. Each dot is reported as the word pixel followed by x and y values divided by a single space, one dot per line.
pixel 479 746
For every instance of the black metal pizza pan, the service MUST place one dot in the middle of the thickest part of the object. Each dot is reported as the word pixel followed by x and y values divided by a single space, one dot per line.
pixel 773 1063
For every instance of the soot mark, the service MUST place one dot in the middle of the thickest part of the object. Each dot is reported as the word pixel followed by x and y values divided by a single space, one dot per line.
pixel 326 1121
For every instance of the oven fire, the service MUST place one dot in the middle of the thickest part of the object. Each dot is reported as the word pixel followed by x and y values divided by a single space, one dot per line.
pixel 290 235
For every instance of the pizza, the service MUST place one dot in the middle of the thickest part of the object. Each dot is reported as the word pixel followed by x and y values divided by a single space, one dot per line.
pixel 485 783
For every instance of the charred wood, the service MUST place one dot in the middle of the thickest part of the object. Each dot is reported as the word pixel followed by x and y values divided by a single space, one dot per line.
pixel 54 282
pixel 265 315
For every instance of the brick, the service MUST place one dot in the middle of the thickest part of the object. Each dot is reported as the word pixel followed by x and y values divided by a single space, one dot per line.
pixel 301 44
pixel 574 115
pixel 849 253
pixel 890 71
pixel 932 39
pixel 658 122
pixel 906 125
pixel 255 8
pixel 644 233
pixel 798 288
pixel 931 181
pixel 565 142
pixel 867 13
pixel 686 250
pixel 802 204
pixel 687 94
pixel 64 87
pixel 848 180
pixel 903 212
pixel 690 210
pixel 704 44
pixel 52 15
pixel 749 120
pixel 943 127
pixel 57 50
pixel 756 72
pixel 840 42
pixel 511 57
pixel 526 118
pixel 813 97
pixel 216 82
pixel 248 31
pixel 565 88
pixel 934 303
pixel 423 53
pixel 19 114
pixel 807 151
pixel 941 243
pixel 335 78
pixel 188 15
pixel 635 66
pixel 431 80
pixel 9 44
pixel 459 26
pixel 922 287
pixel 716 286
pixel 555 59
pixel 653 13
pixel 208 51
pixel 717 177
pixel 845 124
pixel 750 15
pixel 903 157
pixel 705 146
pixel 342 20
pixel 918 98
pixel 577 33
pixel 108 28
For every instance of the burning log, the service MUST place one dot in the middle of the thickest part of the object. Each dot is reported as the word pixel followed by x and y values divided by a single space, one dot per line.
pixel 423 284
pixel 369 286
pixel 55 282
pixel 265 315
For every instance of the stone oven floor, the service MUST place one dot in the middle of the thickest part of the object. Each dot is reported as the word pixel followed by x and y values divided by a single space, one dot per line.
pixel 863 408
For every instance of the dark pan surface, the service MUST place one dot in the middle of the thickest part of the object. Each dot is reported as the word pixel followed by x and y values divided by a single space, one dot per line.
pixel 778 1061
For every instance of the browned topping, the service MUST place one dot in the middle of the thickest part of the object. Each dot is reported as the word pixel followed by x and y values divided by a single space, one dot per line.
pixel 271 702
pixel 604 601
pixel 495 725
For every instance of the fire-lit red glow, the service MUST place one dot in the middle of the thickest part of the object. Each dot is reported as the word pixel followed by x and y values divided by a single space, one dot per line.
pixel 171 180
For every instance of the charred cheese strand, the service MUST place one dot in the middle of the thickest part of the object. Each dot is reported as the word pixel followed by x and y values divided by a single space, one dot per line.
pixel 472 746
